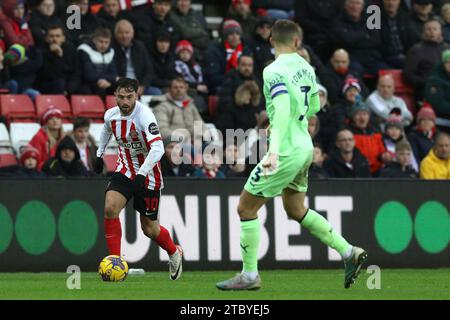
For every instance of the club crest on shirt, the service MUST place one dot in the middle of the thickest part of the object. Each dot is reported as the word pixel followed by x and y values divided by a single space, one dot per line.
pixel 153 128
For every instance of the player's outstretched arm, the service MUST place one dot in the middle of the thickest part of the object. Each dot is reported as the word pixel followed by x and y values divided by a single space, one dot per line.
pixel 105 136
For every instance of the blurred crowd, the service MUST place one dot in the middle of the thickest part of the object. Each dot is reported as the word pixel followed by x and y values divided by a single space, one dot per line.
pixel 364 128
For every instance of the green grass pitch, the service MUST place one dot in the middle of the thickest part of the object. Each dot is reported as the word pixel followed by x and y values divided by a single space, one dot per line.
pixel 277 284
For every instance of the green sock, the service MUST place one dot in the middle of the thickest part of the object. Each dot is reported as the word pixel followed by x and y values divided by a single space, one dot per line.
pixel 321 229
pixel 250 231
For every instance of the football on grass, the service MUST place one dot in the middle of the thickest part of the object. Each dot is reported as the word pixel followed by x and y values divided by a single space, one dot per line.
pixel 113 268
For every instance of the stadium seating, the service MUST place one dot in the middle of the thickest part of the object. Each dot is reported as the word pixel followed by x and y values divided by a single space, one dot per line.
pixel 21 134
pixel 17 107
pixel 402 89
pixel 5 141
pixel 89 106
pixel 7 159
pixel 43 102
pixel 110 102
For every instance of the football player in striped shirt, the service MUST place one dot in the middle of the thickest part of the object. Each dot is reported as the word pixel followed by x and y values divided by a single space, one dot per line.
pixel 138 171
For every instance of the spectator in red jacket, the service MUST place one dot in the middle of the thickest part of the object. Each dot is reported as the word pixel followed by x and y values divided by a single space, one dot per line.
pixel 48 137
pixel 14 22
pixel 367 140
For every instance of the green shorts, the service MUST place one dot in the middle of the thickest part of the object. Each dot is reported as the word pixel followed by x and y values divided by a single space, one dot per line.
pixel 291 172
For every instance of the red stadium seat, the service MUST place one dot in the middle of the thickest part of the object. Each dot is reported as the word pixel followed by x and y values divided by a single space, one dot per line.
pixel 8 159
pixel 18 108
pixel 110 162
pixel 89 106
pixel 43 102
pixel 212 105
pixel 400 85
pixel 402 89
pixel 110 102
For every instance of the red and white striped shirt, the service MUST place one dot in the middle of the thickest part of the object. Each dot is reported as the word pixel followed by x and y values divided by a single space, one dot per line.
pixel 140 143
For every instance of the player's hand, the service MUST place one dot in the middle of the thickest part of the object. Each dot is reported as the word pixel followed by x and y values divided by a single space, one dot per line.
pixel 139 185
pixel 270 163
pixel 98 166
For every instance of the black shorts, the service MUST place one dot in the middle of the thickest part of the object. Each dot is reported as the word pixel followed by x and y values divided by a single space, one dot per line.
pixel 147 205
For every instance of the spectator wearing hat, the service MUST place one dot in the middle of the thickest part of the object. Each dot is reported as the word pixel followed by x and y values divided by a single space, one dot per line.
pixel 422 57
pixel 436 165
pixel 191 71
pixel 222 57
pixel 60 72
pixel 191 26
pixel 85 144
pixel 163 62
pixel 98 70
pixel 346 161
pixel 240 10
pixel 394 133
pixel 173 162
pixel 397 33
pixel 401 168
pixel 7 85
pixel 367 139
pixel 240 98
pixel 150 21
pixel 263 52
pixel 49 135
pixel 29 159
pixel 42 16
pixel 27 168
pixel 316 17
pixel 437 91
pixel 66 162
pixel 14 22
pixel 336 72
pixel 364 45
pixel 422 136
pixel 382 101
pixel 422 11
pixel 132 59
pixel 351 92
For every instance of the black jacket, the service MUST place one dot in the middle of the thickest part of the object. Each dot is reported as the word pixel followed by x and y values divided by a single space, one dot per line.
pixel 420 144
pixel 216 62
pixel 39 24
pixel 395 170
pixel 263 54
pixel 65 68
pixel 405 30
pixel 334 82
pixel 357 39
pixel 147 26
pixel 336 167
pixel 140 60
pixel 316 17
pixel 184 170
pixel 56 167
pixel 95 65
pixel 163 67
pixel 230 115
